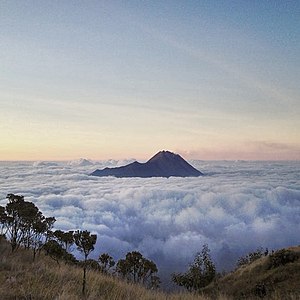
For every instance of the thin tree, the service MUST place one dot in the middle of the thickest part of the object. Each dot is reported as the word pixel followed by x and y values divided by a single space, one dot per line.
pixel 20 216
pixel 3 221
pixel 54 250
pixel 200 273
pixel 40 228
pixel 106 262
pixel 13 220
pixel 66 239
pixel 85 242
pixel 138 269
pixel 24 224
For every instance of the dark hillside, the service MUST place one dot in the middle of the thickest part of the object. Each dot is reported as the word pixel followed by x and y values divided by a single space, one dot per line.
pixel 276 276
pixel 162 164
pixel 21 278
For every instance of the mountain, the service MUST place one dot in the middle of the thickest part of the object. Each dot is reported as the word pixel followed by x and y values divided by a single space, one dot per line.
pixel 162 164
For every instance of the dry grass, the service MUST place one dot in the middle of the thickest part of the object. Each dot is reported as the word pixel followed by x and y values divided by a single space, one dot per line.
pixel 21 278
pixel 281 283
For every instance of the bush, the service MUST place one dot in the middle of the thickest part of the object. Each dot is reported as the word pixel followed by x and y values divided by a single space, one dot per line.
pixel 260 290
pixel 251 257
pixel 138 269
pixel 282 257
pixel 200 273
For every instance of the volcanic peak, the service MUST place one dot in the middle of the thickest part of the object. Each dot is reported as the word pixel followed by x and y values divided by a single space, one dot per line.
pixel 162 164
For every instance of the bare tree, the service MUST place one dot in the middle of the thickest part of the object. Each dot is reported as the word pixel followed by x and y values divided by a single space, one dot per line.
pixel 85 242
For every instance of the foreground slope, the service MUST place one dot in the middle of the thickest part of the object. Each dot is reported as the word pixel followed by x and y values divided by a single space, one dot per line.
pixel 162 164
pixel 275 276
pixel 21 278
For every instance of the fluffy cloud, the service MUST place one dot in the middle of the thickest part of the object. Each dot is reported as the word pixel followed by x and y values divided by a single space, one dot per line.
pixel 235 208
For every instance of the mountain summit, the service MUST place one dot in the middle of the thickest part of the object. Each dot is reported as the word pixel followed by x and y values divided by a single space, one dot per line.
pixel 162 164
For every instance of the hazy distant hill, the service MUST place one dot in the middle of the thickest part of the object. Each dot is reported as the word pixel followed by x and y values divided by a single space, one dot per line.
pixel 162 164
pixel 82 162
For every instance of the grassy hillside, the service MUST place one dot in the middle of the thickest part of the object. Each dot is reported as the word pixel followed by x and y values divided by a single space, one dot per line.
pixel 275 276
pixel 21 278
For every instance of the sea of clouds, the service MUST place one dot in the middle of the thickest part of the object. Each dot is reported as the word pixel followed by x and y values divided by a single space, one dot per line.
pixel 235 208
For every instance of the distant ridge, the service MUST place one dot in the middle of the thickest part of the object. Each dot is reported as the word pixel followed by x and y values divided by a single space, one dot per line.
pixel 162 164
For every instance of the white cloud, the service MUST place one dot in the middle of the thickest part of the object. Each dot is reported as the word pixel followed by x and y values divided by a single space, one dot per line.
pixel 238 207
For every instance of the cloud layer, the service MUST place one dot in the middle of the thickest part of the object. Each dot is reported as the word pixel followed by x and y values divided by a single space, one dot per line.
pixel 235 208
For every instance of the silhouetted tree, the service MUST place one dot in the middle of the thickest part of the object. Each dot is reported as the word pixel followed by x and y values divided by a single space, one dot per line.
pixel 91 264
pixel 136 268
pixel 85 242
pixel 32 223
pixel 19 221
pixel 13 220
pixel 146 271
pixel 69 258
pixel 40 229
pixel 66 239
pixel 58 253
pixel 3 220
pixel 200 273
pixel 54 250
pixel 49 225
pixel 154 282
pixel 24 223
pixel 106 262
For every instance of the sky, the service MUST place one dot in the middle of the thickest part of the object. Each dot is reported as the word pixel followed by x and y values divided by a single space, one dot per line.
pixel 237 207
pixel 211 80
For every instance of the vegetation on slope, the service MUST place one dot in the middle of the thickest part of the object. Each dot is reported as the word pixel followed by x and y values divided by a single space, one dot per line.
pixel 29 249
pixel 24 226
pixel 200 273
pixel 23 278
pixel 269 276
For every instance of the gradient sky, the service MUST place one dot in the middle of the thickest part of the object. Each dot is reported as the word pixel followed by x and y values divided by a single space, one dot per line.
pixel 117 79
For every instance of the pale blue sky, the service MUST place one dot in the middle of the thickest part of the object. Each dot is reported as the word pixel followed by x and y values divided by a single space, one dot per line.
pixel 116 79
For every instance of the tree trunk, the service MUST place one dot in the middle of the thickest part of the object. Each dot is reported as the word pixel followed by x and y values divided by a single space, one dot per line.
pixel 34 253
pixel 13 244
pixel 84 279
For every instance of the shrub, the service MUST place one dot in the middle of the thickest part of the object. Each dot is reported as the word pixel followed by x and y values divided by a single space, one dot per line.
pixel 251 257
pixel 138 269
pixel 200 273
pixel 282 257
pixel 260 290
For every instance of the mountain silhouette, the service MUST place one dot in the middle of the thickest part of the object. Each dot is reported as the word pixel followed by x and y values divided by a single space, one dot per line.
pixel 162 164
